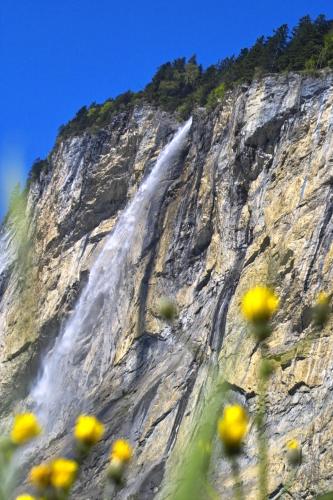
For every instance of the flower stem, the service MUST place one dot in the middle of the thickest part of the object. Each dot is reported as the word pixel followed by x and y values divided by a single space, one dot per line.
pixel 211 492
pixel 261 433
pixel 238 485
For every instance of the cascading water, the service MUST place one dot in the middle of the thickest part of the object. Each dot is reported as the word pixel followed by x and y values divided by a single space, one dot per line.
pixel 7 256
pixel 99 314
pixel 6 252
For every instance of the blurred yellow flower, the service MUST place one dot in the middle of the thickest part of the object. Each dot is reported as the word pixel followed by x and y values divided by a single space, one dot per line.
pixel 40 475
pixel 232 427
pixel 323 299
pixel 25 497
pixel 294 452
pixel 259 304
pixel 88 430
pixel 121 450
pixel 25 428
pixel 292 444
pixel 321 309
pixel 63 473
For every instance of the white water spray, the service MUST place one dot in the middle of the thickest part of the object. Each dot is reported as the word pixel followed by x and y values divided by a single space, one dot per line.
pixel 92 329
pixel 6 250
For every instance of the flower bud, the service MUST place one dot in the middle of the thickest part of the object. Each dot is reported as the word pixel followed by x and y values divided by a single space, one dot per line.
pixel 167 309
pixel 266 369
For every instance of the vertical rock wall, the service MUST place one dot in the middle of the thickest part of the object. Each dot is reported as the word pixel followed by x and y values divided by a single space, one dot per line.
pixel 251 200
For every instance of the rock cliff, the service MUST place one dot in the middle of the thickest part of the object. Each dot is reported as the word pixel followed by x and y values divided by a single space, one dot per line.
pixel 248 199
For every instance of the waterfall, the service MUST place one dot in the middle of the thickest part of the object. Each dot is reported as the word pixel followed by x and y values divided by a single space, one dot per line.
pixel 6 252
pixel 92 329
pixel 7 258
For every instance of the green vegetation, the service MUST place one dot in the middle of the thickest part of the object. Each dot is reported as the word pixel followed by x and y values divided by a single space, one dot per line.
pixel 181 85
pixel 215 96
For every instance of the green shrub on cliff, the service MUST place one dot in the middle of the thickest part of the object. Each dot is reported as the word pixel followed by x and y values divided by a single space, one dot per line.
pixel 216 95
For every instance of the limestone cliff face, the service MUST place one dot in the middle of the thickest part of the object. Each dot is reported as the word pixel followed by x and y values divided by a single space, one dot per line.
pixel 248 200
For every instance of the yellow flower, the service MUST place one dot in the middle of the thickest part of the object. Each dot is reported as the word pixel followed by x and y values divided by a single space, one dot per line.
pixel 40 475
pixel 25 428
pixel 121 450
pixel 25 497
pixel 292 444
pixel 321 309
pixel 232 428
pixel 259 304
pixel 323 299
pixel 88 430
pixel 63 473
pixel 294 452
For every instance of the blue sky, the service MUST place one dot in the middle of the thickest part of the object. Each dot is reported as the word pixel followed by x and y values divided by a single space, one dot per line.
pixel 58 55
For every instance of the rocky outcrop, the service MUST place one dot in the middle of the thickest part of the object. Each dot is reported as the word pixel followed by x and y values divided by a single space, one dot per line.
pixel 249 200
